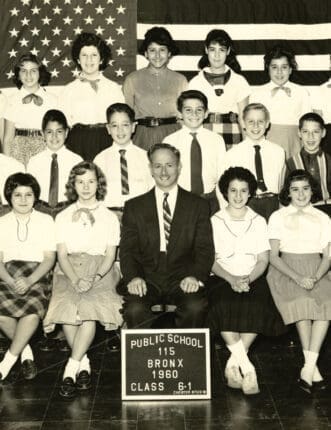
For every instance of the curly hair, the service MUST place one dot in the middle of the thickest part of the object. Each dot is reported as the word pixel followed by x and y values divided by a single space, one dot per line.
pixel 91 39
pixel 299 175
pixel 21 180
pixel 276 52
pixel 80 169
pixel 161 36
pixel 222 38
pixel 241 174
pixel 44 75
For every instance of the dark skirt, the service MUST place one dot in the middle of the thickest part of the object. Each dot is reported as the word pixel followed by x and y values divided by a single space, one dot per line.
pixel 34 301
pixel 146 137
pixel 88 140
pixel 252 312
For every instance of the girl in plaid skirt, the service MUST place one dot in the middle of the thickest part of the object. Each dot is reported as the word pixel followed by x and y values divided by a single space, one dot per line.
pixel 27 254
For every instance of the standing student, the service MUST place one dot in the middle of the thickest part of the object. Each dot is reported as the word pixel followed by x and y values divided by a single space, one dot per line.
pixel 226 89
pixel 84 280
pixel 124 164
pixel 312 157
pixel 153 91
pixel 202 151
pixel 51 167
pixel 241 305
pixel 299 261
pixel 263 158
pixel 285 100
pixel 84 101
pixel 27 254
pixel 25 109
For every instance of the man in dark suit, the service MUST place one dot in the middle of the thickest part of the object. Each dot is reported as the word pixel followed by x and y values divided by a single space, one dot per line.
pixel 166 248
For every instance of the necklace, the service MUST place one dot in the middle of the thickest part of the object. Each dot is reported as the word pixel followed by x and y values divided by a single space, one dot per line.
pixel 22 231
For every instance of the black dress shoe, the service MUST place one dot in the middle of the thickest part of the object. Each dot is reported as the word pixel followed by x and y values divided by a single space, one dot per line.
pixel 68 388
pixel 114 341
pixel 62 345
pixel 304 386
pixel 29 369
pixel 83 381
pixel 47 344
pixel 320 385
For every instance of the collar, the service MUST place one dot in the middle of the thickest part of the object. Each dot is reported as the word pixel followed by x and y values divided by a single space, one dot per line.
pixel 207 70
pixel 116 147
pixel 172 193
pixel 154 72
pixel 82 76
pixel 272 85
pixel 225 216
pixel 58 152
pixel 304 153
pixel 252 143
pixel 291 209
pixel 188 130
pixel 40 92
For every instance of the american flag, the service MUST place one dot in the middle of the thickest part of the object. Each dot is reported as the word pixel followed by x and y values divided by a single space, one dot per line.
pixel 304 26
pixel 48 28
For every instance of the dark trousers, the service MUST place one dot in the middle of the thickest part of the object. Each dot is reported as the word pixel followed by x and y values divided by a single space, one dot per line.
pixel 190 307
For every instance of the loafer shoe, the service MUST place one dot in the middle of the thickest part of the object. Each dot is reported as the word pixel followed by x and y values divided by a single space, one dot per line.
pixel 320 385
pixel 304 386
pixel 114 342
pixel 250 385
pixel 47 345
pixel 67 388
pixel 29 369
pixel 83 381
pixel 233 377
pixel 62 345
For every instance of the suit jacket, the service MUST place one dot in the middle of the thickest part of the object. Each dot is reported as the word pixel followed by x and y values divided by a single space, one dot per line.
pixel 190 249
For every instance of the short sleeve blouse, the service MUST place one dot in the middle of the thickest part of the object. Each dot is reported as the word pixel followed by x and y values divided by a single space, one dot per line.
pixel 38 237
pixel 300 232
pixel 238 242
pixel 82 235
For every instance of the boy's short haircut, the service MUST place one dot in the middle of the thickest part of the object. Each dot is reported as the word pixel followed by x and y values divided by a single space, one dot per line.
pixel 313 117
pixel 191 94
pixel 256 106
pixel 120 108
pixel 56 116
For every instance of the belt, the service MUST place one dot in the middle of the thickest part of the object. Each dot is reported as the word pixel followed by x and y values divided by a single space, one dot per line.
pixel 218 118
pixel 27 132
pixel 98 125
pixel 265 196
pixel 115 208
pixel 150 121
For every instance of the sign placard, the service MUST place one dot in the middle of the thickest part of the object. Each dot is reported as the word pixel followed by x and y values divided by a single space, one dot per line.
pixel 165 364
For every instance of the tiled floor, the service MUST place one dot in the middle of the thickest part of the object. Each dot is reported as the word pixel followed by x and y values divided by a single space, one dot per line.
pixel 36 404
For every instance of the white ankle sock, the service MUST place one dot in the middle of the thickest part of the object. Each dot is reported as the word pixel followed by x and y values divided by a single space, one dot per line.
pixel 232 361
pixel 239 351
pixel 7 363
pixel 308 369
pixel 71 369
pixel 27 353
pixel 84 364
pixel 317 377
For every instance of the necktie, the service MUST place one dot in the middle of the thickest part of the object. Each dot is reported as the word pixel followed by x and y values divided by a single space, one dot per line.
pixel 166 218
pixel 54 182
pixel 258 167
pixel 93 83
pixel 37 100
pixel 285 89
pixel 124 172
pixel 196 166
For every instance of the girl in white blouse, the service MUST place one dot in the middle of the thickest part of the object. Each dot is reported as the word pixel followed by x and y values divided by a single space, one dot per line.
pixel 87 235
pixel 299 238
pixel 241 304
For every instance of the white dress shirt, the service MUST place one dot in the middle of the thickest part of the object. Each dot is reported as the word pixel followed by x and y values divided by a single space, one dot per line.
pixel 139 176
pixel 300 232
pixel 29 115
pixel 321 101
pixel 212 151
pixel 40 167
pixel 283 109
pixel 172 198
pixel 81 104
pixel 273 161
